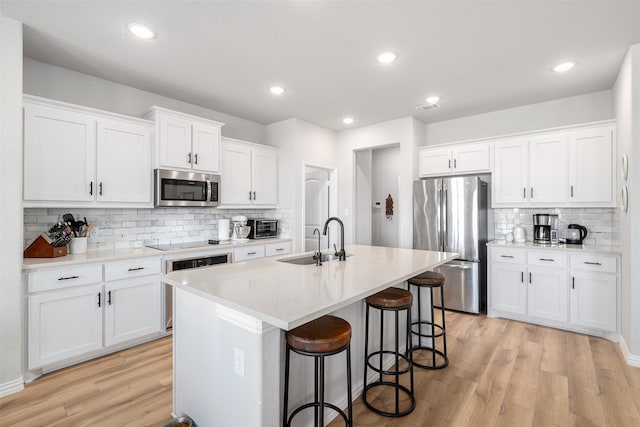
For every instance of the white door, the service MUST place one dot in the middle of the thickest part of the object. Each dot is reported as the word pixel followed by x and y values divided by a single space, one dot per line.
pixel 508 288
pixel 548 170
pixel 547 295
pixel 593 300
pixel 206 148
pixel 591 166
pixel 434 161
pixel 236 174
pixel 471 158
pixel 264 177
pixel 132 309
pixel 511 173
pixel 174 148
pixel 316 212
pixel 124 162
pixel 59 154
pixel 64 323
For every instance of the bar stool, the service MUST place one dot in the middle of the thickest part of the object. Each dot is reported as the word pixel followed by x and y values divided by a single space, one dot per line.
pixel 394 300
pixel 325 336
pixel 431 280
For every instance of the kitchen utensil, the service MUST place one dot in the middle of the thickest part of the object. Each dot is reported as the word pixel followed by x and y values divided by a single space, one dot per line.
pixel 575 234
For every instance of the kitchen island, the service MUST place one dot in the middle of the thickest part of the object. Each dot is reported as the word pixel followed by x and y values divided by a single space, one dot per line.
pixel 229 322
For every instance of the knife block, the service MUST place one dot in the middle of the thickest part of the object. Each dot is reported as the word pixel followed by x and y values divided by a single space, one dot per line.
pixel 40 248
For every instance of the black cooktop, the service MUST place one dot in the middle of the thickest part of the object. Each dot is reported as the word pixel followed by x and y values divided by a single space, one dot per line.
pixel 187 245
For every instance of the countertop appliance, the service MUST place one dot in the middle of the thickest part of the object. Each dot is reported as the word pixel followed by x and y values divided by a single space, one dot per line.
pixel 575 234
pixel 519 234
pixel 263 228
pixel 450 214
pixel 545 226
pixel 240 230
pixel 178 188
pixel 186 261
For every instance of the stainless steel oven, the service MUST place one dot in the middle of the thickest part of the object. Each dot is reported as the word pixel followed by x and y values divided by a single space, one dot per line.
pixel 183 264
pixel 178 188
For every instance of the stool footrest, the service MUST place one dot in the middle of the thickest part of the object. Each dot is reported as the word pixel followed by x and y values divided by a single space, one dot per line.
pixel 317 404
pixel 382 371
pixel 419 333
pixel 394 385
pixel 429 349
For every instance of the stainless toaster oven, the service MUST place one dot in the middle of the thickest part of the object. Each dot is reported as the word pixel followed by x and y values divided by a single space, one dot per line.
pixel 263 228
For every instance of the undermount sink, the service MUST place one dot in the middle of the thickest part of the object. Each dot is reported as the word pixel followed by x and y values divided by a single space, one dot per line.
pixel 308 259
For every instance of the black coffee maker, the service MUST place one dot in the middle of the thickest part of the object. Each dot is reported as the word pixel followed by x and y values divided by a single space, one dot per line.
pixel 545 228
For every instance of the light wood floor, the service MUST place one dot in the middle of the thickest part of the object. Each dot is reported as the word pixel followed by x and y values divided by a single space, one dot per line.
pixel 500 373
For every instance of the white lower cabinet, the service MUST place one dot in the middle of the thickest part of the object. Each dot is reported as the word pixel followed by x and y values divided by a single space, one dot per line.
pixel 247 253
pixel 75 312
pixel 567 290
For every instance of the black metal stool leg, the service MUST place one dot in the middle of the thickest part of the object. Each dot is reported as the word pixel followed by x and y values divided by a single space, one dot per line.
pixel 321 408
pixel 315 389
pixel 366 351
pixel 444 328
pixel 397 364
pixel 349 395
pixel 285 417
pixel 433 331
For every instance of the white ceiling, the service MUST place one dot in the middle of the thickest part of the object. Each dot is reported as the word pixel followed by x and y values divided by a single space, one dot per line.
pixel 479 56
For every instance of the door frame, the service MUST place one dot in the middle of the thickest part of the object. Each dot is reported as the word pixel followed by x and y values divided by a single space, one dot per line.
pixel 333 196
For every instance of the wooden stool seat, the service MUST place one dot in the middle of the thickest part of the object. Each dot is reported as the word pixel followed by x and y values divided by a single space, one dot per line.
pixel 325 334
pixel 428 278
pixel 391 298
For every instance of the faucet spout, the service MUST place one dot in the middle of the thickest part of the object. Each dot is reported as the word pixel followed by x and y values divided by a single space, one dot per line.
pixel 318 255
pixel 341 254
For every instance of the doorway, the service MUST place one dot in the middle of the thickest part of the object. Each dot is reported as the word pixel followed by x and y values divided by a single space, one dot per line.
pixel 320 203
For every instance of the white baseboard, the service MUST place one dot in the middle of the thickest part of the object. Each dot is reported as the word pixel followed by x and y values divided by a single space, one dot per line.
pixel 11 387
pixel 631 359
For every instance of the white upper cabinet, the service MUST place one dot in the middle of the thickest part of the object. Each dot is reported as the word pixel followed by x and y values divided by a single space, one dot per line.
pixel 548 170
pixel 78 156
pixel 249 174
pixel 574 168
pixel 592 167
pixel 186 142
pixel 454 160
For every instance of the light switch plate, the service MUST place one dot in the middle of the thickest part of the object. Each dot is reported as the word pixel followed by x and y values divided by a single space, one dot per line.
pixel 238 361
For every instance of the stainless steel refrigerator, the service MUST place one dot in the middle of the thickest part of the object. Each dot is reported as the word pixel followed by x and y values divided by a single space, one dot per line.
pixel 450 214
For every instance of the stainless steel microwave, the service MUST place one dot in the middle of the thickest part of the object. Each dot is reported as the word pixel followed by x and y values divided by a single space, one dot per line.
pixel 178 188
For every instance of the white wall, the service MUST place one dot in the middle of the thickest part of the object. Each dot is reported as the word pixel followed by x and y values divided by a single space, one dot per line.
pixel 399 131
pixel 589 107
pixel 11 306
pixel 50 81
pixel 385 172
pixel 626 95
pixel 300 143
pixel 363 196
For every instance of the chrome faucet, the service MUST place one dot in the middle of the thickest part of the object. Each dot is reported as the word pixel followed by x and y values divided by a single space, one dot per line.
pixel 317 256
pixel 341 254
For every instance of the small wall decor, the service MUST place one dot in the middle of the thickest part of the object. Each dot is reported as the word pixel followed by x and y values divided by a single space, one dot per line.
pixel 624 171
pixel 389 207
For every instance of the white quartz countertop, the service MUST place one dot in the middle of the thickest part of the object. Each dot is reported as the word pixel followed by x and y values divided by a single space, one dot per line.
pixel 612 250
pixel 288 295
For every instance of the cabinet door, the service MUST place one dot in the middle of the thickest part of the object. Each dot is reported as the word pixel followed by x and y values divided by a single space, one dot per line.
pixel 593 300
pixel 547 295
pixel 471 158
pixel 124 162
pixel 548 170
pixel 132 309
pixel 59 154
pixel 63 324
pixel 206 148
pixel 236 174
pixel 591 167
pixel 435 161
pixel 174 145
pixel 508 288
pixel 511 173
pixel 264 177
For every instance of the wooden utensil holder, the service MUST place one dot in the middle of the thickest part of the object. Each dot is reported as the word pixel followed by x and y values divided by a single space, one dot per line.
pixel 41 249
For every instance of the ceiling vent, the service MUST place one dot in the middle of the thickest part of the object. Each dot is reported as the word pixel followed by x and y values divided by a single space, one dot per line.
pixel 427 107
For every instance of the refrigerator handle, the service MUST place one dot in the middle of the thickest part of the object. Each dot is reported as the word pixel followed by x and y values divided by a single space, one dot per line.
pixel 444 218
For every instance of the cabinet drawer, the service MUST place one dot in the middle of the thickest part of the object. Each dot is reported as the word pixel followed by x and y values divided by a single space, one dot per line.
pixel 273 249
pixel 547 258
pixel 245 254
pixel 594 262
pixel 510 255
pixel 131 268
pixel 64 277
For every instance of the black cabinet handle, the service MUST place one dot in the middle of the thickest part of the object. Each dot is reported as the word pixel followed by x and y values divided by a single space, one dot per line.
pixel 68 277
pixel 136 269
pixel 522 277
pixel 592 263
pixel 100 192
pixel 572 191
pixel 249 195
pixel 99 299
pixel 91 188
pixel 529 277
pixel 524 193
pixel 252 253
pixel 195 158
pixel 532 192
pixel 546 259
pixel 279 249
pixel 454 164
pixel 573 283
pixel 189 158
pixel 506 256
pixel 254 195
pixel 449 164
pixel 109 297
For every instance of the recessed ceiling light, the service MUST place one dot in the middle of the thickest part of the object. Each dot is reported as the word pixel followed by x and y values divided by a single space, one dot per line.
pixel 432 99
pixel 141 30
pixel 387 57
pixel 347 120
pixel 565 66
pixel 276 90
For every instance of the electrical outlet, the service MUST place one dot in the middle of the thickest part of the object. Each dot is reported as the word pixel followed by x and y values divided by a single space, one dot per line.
pixel 238 361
